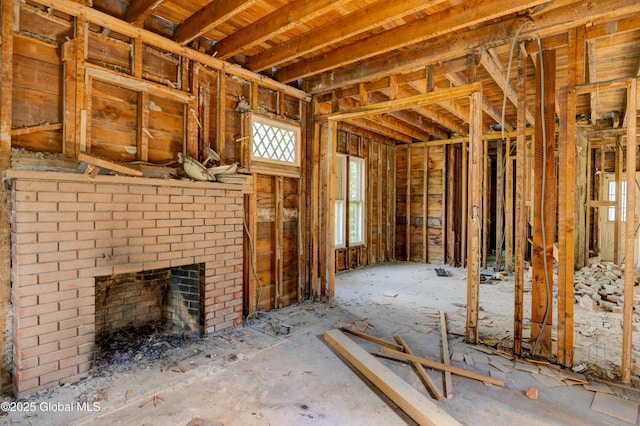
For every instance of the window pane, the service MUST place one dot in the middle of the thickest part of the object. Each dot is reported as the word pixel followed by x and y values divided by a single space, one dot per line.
pixel 339 224
pixel 271 142
pixel 355 223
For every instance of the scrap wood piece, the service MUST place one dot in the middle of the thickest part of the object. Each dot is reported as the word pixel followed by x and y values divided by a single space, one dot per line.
pixel 500 367
pixel 447 384
pixel 37 128
pixel 468 359
pixel 412 402
pixel 155 399
pixel 526 367
pixel 598 387
pixel 371 338
pixel 616 407
pixel 108 164
pixel 457 357
pixel 443 367
pixel 547 380
pixel 420 371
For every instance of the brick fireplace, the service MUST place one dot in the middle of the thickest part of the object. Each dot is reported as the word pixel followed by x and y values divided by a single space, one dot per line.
pixel 70 231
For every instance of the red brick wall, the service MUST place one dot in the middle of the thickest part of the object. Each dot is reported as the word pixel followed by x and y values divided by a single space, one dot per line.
pixel 67 229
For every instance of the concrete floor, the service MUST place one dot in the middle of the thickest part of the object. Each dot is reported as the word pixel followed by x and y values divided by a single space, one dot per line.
pixel 254 377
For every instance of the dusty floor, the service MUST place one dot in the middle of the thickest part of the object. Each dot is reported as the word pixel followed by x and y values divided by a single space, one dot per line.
pixel 255 377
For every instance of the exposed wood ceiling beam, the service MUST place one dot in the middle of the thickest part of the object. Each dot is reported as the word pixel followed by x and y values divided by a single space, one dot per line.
pixel 456 45
pixel 374 15
pixel 452 106
pixel 497 72
pixel 414 118
pixel 459 79
pixel 210 16
pixel 432 114
pixel 138 10
pixel 375 124
pixel 280 20
pixel 434 25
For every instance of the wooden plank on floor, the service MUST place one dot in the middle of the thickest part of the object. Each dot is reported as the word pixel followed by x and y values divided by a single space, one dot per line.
pixel 442 367
pixel 616 407
pixel 447 383
pixel 412 402
pixel 421 372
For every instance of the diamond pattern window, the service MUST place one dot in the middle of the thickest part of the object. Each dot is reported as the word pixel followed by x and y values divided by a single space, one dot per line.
pixel 274 141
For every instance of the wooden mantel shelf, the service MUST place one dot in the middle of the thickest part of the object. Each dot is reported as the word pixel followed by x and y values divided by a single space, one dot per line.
pixel 12 174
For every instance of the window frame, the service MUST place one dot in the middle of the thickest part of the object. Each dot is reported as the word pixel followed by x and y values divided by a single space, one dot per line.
pixel 343 201
pixel 280 124
pixel 611 196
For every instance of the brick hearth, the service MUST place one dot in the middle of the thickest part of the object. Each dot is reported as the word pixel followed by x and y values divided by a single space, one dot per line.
pixel 67 229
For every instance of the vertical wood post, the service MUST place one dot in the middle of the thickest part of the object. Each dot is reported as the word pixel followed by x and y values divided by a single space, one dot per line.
pixel 630 231
pixel 508 209
pixel 331 216
pixel 408 206
pixel 6 88
pixel 315 212
pixel 449 197
pixel 499 200
pixel 617 223
pixel 544 208
pixel 425 203
pixel 566 206
pixel 279 240
pixel 221 116
pixel 486 189
pixel 521 208
pixel 464 209
pixel 475 216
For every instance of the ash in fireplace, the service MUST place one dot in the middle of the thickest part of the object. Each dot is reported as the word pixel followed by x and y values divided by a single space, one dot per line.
pixel 133 346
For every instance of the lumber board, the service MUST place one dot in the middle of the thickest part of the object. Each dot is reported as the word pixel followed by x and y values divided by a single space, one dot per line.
pixel 364 336
pixel 520 210
pixel 442 367
pixel 543 209
pixel 412 402
pixel 630 232
pixel 106 164
pixel 447 383
pixel 420 371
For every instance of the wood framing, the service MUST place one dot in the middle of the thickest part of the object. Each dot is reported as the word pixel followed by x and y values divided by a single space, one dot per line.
pixel 521 233
pixel 475 217
pixel 630 230
pixel 543 208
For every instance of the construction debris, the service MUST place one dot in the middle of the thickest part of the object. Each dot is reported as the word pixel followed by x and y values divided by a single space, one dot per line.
pixel 600 286
pixel 532 393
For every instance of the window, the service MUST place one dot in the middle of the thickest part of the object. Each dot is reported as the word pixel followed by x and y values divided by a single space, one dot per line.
pixel 349 201
pixel 611 213
pixel 274 141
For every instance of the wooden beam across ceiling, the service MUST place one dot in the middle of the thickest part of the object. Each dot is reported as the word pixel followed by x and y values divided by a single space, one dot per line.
pixel 431 26
pixel 364 19
pixel 288 16
pixel 403 103
pixel 209 17
pixel 138 10
pixel 455 45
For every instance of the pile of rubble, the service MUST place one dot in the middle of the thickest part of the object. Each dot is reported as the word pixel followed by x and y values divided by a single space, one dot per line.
pixel 600 286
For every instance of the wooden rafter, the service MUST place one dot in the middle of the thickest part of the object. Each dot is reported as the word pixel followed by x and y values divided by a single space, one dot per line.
pixel 454 46
pixel 209 17
pixel 496 70
pixel 431 26
pixel 280 20
pixel 138 10
pixel 459 79
pixel 375 15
